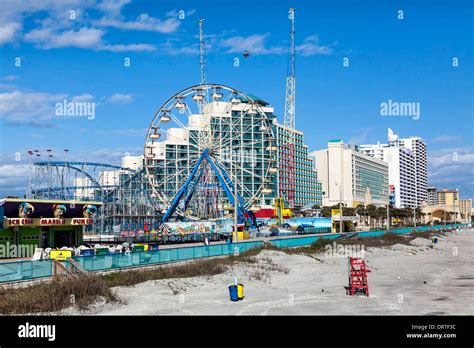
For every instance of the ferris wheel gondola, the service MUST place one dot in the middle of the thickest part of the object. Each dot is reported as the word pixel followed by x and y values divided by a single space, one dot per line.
pixel 231 127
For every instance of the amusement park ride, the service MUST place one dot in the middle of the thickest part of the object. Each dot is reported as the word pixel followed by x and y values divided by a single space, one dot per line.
pixel 200 161
pixel 197 154
pixel 209 150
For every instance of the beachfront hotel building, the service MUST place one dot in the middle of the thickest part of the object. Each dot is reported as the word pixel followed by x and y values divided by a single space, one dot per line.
pixel 167 155
pixel 308 189
pixel 406 158
pixel 465 208
pixel 350 176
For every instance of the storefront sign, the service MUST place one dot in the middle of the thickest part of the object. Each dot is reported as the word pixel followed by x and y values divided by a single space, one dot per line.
pixel 19 222
pixel 52 222
pixel 82 221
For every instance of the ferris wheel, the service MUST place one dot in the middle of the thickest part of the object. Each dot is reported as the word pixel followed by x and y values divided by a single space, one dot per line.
pixel 232 129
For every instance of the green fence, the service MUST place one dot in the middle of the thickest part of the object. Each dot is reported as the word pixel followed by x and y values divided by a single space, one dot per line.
pixel 305 241
pixel 29 270
pixel 25 270
pixel 125 260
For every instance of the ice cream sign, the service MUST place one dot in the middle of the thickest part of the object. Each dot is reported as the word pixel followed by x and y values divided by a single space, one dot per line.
pixel 19 222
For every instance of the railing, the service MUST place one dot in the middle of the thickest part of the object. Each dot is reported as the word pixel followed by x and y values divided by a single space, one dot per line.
pixel 126 260
pixel 25 270
pixel 300 241
pixel 30 270
pixel 67 270
pixel 305 241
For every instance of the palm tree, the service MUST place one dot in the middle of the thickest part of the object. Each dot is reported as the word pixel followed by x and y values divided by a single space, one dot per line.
pixel 372 212
pixel 381 215
pixel 360 210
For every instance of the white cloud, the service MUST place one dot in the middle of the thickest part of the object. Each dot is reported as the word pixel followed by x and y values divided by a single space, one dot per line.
pixel 83 38
pixel 170 49
pixel 361 136
pixel 35 109
pixel 9 32
pixel 107 155
pixel 13 178
pixel 58 30
pixel 83 98
pixel 112 8
pixel 452 168
pixel 128 132
pixel 129 48
pixel 253 43
pixel 6 86
pixel 446 138
pixel 176 13
pixel 143 22
pixel 46 38
pixel 311 47
pixel 119 98
pixel 28 108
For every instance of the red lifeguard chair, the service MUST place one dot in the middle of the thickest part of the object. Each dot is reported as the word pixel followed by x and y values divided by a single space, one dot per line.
pixel 358 282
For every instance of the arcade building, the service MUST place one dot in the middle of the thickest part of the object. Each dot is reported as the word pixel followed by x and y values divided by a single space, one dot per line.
pixel 43 223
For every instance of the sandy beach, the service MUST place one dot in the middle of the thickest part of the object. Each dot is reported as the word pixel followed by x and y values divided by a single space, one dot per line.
pixel 405 279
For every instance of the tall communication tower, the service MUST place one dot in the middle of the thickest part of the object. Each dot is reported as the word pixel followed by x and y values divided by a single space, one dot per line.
pixel 287 162
pixel 290 76
pixel 202 53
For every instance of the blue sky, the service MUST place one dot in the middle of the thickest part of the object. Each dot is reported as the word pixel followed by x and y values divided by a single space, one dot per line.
pixel 405 60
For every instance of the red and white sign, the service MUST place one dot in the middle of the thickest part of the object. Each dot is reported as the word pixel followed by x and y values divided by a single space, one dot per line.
pixel 19 221
pixel 82 221
pixel 52 221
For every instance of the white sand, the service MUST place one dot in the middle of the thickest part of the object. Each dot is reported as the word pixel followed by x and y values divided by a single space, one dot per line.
pixel 396 285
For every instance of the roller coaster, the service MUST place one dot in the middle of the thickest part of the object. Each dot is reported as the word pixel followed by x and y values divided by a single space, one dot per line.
pixel 209 150
pixel 123 191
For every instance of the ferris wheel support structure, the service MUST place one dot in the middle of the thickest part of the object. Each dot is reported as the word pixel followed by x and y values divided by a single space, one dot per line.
pixel 195 150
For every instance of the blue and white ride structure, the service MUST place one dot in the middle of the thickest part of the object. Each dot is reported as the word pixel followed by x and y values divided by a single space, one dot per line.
pixel 205 143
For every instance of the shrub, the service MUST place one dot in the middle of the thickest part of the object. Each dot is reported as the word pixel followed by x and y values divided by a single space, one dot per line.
pixel 55 295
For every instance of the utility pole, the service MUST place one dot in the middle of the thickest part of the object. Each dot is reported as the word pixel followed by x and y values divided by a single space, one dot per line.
pixel 202 53
pixel 340 208
pixel 444 216
pixel 341 188
pixel 388 218
pixel 454 211
pixel 236 230
pixel 287 189
pixel 289 118
pixel 414 217
pixel 340 211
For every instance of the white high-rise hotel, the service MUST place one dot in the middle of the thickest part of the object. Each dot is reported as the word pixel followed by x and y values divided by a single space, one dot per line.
pixel 406 160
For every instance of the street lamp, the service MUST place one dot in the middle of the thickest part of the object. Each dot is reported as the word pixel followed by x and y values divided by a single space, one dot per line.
pixel 414 216
pixel 31 153
pixel 236 230
pixel 340 207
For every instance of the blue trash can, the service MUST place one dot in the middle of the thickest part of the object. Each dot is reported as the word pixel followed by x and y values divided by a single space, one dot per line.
pixel 87 252
pixel 233 293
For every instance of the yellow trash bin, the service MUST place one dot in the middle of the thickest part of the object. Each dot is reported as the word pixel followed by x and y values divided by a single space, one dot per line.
pixel 60 255
pixel 240 291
